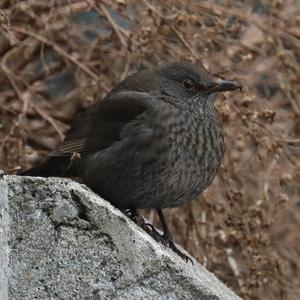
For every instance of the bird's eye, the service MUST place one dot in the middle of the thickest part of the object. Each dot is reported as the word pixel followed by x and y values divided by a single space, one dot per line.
pixel 189 84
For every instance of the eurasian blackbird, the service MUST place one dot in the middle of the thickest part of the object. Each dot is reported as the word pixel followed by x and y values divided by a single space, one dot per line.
pixel 154 141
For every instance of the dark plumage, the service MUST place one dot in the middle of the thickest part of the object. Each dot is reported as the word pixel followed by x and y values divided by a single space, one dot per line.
pixel 154 141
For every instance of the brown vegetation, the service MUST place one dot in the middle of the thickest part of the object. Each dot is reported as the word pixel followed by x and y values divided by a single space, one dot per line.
pixel 55 61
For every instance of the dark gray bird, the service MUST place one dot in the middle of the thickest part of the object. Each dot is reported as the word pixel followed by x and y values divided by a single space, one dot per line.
pixel 154 141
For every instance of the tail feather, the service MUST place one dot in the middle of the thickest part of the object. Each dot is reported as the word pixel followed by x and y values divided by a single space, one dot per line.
pixel 54 166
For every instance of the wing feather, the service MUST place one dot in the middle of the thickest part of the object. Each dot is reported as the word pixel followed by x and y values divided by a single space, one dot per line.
pixel 101 125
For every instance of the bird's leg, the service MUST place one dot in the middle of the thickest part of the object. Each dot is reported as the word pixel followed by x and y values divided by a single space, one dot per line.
pixel 135 216
pixel 140 221
pixel 132 214
pixel 167 237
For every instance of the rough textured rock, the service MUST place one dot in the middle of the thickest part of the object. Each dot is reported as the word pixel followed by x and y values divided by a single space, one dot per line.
pixel 4 226
pixel 68 243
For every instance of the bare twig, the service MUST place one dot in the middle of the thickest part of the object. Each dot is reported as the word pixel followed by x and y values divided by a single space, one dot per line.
pixel 59 50
pixel 185 43
pixel 119 31
pixel 50 120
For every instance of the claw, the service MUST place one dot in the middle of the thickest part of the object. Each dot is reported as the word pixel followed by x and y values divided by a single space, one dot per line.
pixel 165 238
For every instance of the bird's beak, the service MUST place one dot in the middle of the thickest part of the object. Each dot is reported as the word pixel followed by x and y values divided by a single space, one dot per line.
pixel 223 86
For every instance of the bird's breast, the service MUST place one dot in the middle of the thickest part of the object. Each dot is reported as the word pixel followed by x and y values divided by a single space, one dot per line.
pixel 190 148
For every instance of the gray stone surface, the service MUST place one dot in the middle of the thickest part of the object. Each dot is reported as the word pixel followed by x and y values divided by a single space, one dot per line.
pixel 68 243
pixel 4 226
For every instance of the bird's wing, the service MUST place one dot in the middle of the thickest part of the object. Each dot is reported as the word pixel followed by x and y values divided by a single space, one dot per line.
pixel 103 124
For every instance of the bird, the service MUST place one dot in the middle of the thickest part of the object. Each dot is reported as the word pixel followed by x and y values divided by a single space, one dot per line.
pixel 154 141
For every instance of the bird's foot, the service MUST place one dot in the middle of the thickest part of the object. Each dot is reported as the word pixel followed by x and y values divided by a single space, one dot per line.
pixel 135 217
pixel 167 237
pixel 178 252
pixel 167 240
pixel 164 239
pixel 141 222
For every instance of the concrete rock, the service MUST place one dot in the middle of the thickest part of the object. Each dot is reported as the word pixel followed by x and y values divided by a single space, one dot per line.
pixel 68 243
pixel 4 226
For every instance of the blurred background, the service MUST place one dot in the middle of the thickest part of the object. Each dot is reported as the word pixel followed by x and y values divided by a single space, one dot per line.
pixel 57 57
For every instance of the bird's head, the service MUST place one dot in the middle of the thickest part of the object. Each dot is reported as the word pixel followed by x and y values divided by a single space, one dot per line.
pixel 190 81
pixel 185 83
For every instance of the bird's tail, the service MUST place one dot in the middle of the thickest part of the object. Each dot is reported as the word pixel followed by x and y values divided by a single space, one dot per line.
pixel 54 166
